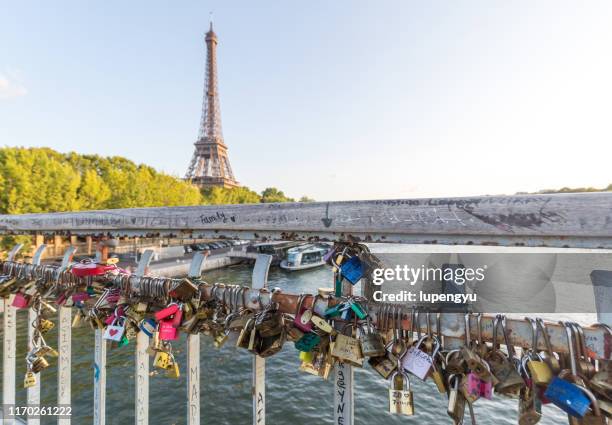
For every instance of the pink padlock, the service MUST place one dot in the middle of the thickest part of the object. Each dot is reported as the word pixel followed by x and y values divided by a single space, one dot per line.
pixel 472 387
pixel 302 316
pixel 80 297
pixel 167 332
pixel 486 389
pixel 21 300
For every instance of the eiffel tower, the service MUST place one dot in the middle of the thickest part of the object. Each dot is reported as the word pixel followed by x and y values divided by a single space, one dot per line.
pixel 210 164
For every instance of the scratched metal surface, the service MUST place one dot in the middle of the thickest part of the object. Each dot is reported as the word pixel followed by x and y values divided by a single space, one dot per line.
pixel 572 220
pixel 292 396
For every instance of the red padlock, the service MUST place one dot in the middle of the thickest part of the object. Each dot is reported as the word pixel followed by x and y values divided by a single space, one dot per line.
pixel 166 312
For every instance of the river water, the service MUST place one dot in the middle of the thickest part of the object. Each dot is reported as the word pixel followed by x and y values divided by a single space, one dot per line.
pixel 293 397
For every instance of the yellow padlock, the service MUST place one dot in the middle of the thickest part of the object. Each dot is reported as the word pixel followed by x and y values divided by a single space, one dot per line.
pixel 307 356
pixel 162 360
pixel 540 372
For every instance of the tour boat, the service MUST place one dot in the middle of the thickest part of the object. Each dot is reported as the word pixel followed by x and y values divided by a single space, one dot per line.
pixel 305 257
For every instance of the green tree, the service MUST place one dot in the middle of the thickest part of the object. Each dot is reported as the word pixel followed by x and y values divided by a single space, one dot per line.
pixel 272 194
pixel 237 195
pixel 306 199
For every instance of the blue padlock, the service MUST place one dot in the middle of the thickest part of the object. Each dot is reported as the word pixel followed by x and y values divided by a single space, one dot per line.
pixel 568 397
pixel 352 270
pixel 147 326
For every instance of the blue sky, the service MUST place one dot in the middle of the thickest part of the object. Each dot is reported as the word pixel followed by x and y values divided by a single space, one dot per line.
pixel 335 100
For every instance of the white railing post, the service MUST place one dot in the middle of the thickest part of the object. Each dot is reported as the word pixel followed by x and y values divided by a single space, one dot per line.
pixel 193 355
pixel 34 391
pixel 344 402
pixel 99 410
pixel 10 339
pixel 64 345
pixel 142 357
pixel 259 281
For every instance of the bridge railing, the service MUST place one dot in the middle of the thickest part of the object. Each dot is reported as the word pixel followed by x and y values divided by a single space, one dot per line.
pixel 565 221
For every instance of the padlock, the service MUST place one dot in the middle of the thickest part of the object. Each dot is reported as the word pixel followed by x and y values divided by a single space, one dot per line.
pixel 302 316
pixel 270 345
pixel 371 341
pixel 307 356
pixel 29 380
pixel 322 324
pixel 456 401
pixel 486 389
pixel 163 360
pixel 147 326
pixel 115 331
pixel 352 270
pixel 416 361
pixel 504 367
pixel 548 356
pixel 45 325
pixel 347 349
pixel 530 408
pixel 384 365
pixel 21 300
pixel 568 397
pixel 167 312
pixel 220 339
pixel 470 387
pixel 400 395
pixel 437 373
pixel 308 342
pixel 244 336
pixel 167 332
pixel 539 371
pixel 184 290
pixel 293 333
pixel 38 364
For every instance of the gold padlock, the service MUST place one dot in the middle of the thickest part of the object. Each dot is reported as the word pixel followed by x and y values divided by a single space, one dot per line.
pixel 29 380
pixel 347 349
pixel 39 364
pixel 45 325
pixel 540 372
pixel 400 396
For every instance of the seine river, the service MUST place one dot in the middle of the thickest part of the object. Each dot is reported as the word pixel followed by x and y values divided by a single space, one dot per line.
pixel 293 397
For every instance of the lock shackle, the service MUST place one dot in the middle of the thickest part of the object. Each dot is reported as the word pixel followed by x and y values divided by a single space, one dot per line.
pixel 580 342
pixel 300 302
pixel 509 347
pixel 405 379
pixel 534 334
pixel 429 332
pixel 439 328
pixel 415 323
pixel 468 329
pixel 542 326
pixel 570 344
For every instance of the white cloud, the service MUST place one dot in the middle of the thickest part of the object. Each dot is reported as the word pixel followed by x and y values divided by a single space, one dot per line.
pixel 11 88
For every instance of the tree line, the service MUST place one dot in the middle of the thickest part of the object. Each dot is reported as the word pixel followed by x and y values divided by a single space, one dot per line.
pixel 35 180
